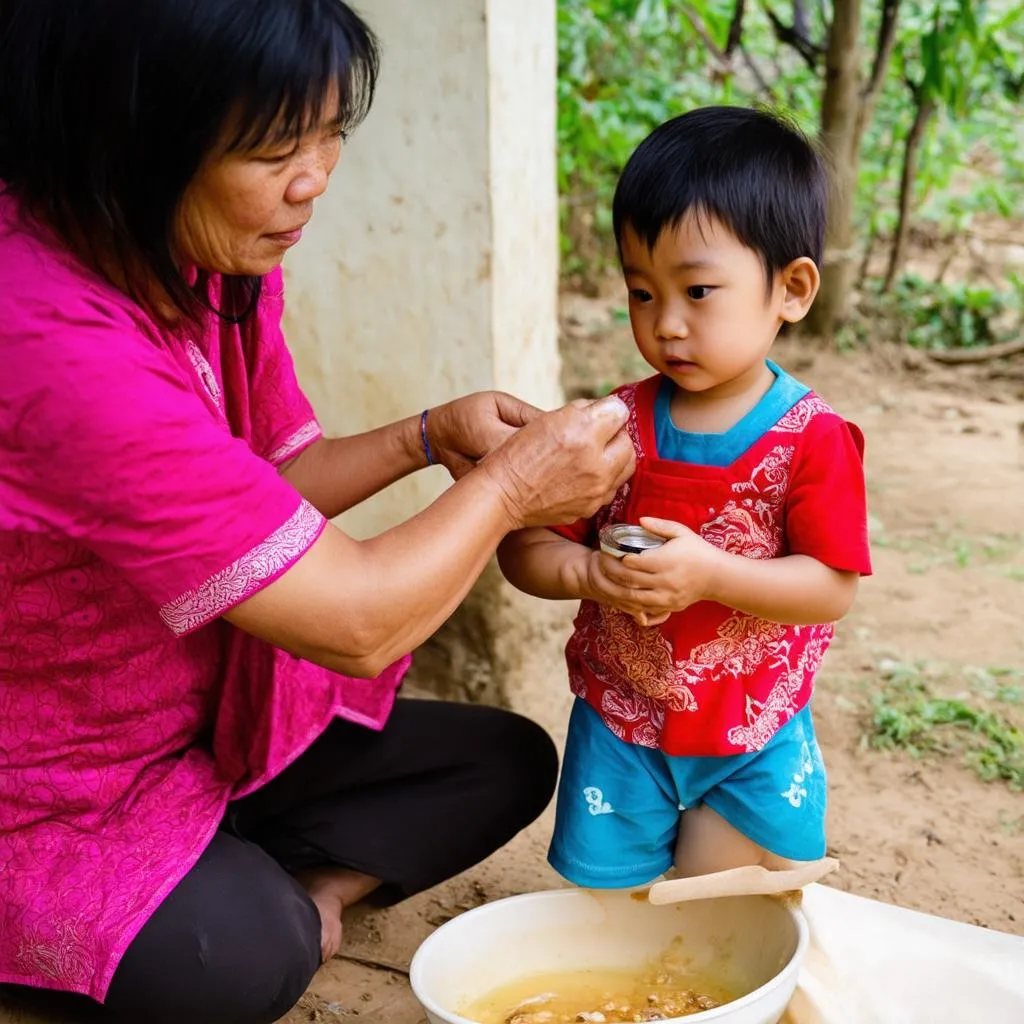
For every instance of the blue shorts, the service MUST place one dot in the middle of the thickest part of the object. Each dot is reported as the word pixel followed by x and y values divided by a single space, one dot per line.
pixel 619 804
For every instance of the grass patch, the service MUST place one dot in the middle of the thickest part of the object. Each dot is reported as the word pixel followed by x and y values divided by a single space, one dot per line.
pixel 914 712
pixel 996 553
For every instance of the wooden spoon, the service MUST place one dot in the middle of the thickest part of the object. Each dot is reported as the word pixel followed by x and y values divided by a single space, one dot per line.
pixel 752 880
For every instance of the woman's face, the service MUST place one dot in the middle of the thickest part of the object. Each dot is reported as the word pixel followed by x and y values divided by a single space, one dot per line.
pixel 243 211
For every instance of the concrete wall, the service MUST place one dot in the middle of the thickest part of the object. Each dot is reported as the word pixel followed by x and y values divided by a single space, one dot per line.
pixel 430 267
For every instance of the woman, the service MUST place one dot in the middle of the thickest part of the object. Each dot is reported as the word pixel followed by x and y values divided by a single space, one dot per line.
pixel 200 761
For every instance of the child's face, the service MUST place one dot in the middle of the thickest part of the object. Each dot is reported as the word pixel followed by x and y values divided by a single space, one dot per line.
pixel 699 306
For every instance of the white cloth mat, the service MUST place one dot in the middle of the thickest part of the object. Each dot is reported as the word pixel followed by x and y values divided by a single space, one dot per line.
pixel 871 963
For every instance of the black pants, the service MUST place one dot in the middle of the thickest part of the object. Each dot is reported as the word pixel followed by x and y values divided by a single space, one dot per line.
pixel 237 942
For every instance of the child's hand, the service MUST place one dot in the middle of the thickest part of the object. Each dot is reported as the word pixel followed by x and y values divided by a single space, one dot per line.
pixel 663 580
pixel 593 583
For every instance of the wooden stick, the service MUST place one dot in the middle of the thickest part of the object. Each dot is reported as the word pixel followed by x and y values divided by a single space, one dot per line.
pixel 376 965
pixel 752 880
pixel 977 355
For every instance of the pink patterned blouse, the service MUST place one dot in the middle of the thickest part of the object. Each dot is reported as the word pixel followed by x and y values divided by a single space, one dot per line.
pixel 139 500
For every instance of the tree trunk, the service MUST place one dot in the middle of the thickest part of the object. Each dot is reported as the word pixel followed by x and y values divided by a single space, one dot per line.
pixel 923 114
pixel 839 123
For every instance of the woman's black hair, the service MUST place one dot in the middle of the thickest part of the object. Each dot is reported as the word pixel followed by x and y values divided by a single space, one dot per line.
pixel 108 108
pixel 751 170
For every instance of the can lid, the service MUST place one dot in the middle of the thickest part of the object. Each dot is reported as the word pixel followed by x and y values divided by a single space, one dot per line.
pixel 629 539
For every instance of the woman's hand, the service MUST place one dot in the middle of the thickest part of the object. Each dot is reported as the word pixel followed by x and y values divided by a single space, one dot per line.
pixel 355 606
pixel 563 465
pixel 462 432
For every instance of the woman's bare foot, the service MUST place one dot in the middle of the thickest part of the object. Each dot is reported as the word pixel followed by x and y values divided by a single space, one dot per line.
pixel 332 890
pixel 330 905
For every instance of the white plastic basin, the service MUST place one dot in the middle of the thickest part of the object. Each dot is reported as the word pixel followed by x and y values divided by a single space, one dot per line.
pixel 753 943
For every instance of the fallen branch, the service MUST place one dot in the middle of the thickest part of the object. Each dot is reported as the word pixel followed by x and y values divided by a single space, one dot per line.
pixel 978 355
pixel 373 964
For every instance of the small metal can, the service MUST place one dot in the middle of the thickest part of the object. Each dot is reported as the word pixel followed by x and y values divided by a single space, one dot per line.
pixel 621 539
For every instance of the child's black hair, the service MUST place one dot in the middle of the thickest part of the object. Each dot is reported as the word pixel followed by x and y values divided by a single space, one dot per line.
pixel 752 171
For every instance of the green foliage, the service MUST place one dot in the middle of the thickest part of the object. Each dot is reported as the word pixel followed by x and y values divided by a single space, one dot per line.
pixel 942 46
pixel 967 58
pixel 624 66
pixel 928 315
pixel 627 65
pixel 908 714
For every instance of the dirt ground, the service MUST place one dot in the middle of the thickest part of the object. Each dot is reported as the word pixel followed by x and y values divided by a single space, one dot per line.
pixel 945 466
pixel 946 479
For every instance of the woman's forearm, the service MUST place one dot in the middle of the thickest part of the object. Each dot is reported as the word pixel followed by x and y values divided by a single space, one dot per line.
pixel 334 474
pixel 356 606
pixel 449 544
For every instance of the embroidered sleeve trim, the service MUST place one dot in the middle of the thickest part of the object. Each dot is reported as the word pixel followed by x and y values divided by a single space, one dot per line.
pixel 205 372
pixel 255 569
pixel 795 421
pixel 305 435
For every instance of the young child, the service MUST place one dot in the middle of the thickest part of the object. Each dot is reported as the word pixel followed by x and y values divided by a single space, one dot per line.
pixel 691 741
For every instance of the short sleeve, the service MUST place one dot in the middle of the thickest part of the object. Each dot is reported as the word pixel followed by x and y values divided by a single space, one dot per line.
pixel 826 506
pixel 106 442
pixel 283 422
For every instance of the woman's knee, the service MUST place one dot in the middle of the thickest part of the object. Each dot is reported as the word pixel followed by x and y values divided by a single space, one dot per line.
pixel 517 748
pixel 237 943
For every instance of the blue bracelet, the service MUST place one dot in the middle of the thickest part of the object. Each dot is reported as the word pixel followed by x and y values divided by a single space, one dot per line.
pixel 426 440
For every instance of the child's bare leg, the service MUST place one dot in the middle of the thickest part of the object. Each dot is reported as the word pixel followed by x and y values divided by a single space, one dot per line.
pixel 708 843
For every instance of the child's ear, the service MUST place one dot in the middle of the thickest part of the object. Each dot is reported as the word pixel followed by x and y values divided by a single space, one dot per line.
pixel 801 281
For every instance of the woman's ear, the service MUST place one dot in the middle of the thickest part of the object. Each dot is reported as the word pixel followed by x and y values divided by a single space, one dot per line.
pixel 801 281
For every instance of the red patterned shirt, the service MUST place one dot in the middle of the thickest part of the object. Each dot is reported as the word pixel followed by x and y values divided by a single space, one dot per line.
pixel 711 680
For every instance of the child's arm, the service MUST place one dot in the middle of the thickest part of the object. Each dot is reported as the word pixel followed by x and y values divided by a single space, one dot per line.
pixel 541 563
pixel 826 529
pixel 796 589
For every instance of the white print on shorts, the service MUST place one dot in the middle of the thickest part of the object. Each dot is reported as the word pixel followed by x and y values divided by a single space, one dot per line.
pixel 596 802
pixel 797 792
